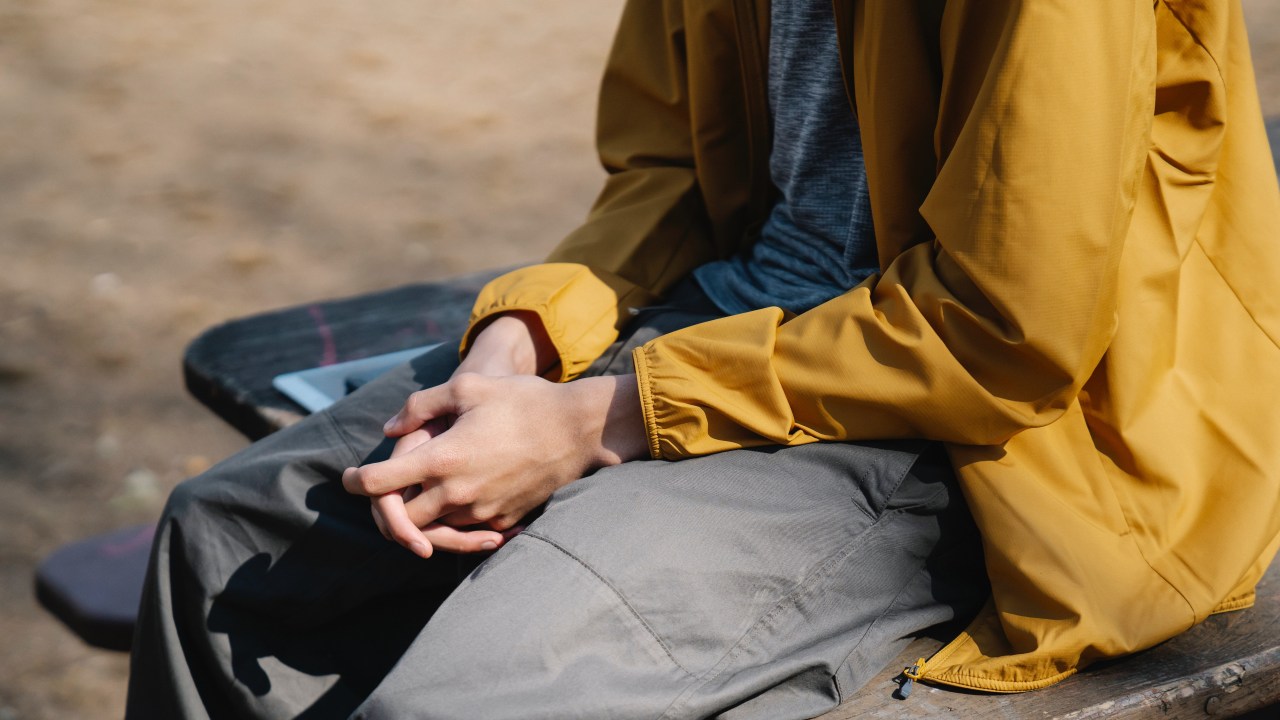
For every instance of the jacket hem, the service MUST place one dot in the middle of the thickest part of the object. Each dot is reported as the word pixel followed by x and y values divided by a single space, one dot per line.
pixel 1236 603
pixel 971 682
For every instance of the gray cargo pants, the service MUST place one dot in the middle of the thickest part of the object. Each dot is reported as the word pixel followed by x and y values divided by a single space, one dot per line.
pixel 764 583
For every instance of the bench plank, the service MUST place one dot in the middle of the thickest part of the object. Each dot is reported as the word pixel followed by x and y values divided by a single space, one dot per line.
pixel 229 367
pixel 1223 667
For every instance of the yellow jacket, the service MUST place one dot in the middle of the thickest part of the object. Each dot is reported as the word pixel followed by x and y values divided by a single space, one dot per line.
pixel 1078 227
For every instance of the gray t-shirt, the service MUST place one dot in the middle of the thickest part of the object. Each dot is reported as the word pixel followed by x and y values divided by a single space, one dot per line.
pixel 817 241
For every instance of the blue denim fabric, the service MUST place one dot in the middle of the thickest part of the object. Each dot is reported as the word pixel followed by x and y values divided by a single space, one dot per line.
pixel 818 241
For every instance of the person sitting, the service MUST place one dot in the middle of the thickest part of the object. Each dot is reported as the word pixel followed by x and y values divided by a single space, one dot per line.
pixel 881 301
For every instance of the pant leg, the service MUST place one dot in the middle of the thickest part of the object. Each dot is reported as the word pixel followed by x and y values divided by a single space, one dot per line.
pixel 764 583
pixel 748 584
pixel 264 573
pixel 263 569
pixel 259 566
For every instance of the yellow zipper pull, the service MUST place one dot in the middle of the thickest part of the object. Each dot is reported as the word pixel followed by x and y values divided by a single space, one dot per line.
pixel 909 677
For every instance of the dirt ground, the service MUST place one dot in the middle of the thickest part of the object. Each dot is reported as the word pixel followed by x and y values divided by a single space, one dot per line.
pixel 169 164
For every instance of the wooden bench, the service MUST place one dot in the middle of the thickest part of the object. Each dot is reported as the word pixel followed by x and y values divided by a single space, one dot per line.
pixel 1228 666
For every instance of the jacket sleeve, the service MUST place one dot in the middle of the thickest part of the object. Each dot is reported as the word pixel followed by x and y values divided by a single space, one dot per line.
pixel 647 228
pixel 993 322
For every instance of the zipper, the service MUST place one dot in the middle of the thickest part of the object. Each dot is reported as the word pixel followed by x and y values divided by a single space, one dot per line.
pixel 920 670
pixel 910 675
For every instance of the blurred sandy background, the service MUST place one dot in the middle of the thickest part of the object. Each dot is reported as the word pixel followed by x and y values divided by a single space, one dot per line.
pixel 169 164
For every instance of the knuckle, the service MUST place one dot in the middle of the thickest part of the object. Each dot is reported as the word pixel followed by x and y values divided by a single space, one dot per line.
pixel 402 536
pixel 448 461
pixel 503 521
pixel 413 404
pixel 460 494
pixel 352 482
pixel 421 516
pixel 367 483
pixel 467 384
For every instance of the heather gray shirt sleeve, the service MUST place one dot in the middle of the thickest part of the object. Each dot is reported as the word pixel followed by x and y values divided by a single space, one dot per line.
pixel 817 241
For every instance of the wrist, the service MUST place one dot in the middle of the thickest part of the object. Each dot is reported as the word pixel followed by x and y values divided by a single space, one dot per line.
pixel 614 420
pixel 512 343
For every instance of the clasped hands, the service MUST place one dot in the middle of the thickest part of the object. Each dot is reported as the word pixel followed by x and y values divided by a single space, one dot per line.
pixel 476 454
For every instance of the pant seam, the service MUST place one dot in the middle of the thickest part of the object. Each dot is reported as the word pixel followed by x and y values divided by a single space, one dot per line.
pixel 342 435
pixel 805 586
pixel 875 513
pixel 897 484
pixel 871 626
pixel 618 594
